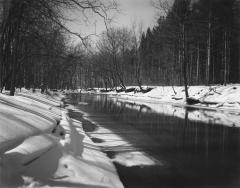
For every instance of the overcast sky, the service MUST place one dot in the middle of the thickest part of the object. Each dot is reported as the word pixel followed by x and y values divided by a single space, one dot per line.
pixel 139 11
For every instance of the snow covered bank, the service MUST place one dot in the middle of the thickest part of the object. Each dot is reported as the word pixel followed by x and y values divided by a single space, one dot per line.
pixel 218 104
pixel 36 151
pixel 219 96
pixel 21 120
pixel 91 167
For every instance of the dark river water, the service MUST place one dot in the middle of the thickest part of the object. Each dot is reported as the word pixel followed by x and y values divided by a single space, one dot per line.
pixel 191 153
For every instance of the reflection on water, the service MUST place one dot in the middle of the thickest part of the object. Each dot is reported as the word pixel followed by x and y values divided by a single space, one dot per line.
pixel 200 154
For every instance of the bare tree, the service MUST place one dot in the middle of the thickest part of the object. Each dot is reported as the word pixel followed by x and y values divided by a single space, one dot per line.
pixel 116 44
pixel 137 34
pixel 35 19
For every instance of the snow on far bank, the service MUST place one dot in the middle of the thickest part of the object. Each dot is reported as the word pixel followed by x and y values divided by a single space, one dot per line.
pixel 218 96
pixel 218 104
pixel 213 96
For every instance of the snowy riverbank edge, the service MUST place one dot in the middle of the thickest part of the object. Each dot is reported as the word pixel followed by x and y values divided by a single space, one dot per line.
pixel 217 97
pixel 218 104
pixel 50 158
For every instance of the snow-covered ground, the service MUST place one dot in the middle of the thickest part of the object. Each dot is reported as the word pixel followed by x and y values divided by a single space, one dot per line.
pixel 40 146
pixel 218 104
pixel 218 96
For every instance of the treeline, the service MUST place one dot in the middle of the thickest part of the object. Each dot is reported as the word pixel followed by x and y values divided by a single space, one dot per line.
pixel 196 42
pixel 211 33
pixel 193 43
pixel 34 42
pixel 114 62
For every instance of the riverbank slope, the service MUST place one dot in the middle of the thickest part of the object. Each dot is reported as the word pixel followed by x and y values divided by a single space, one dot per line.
pixel 42 147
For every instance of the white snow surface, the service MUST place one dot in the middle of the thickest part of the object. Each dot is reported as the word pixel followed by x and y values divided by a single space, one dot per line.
pixel 26 105
pixel 36 152
pixel 17 124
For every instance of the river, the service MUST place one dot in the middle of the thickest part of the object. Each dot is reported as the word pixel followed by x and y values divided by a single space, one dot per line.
pixel 154 149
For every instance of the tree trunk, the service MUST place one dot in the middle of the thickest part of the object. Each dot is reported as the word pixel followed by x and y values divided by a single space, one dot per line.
pixel 208 52
pixel 226 57
pixel 198 63
pixel 184 61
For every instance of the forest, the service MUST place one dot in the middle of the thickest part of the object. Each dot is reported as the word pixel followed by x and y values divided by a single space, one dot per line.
pixel 199 38
pixel 35 51
pixel 192 43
